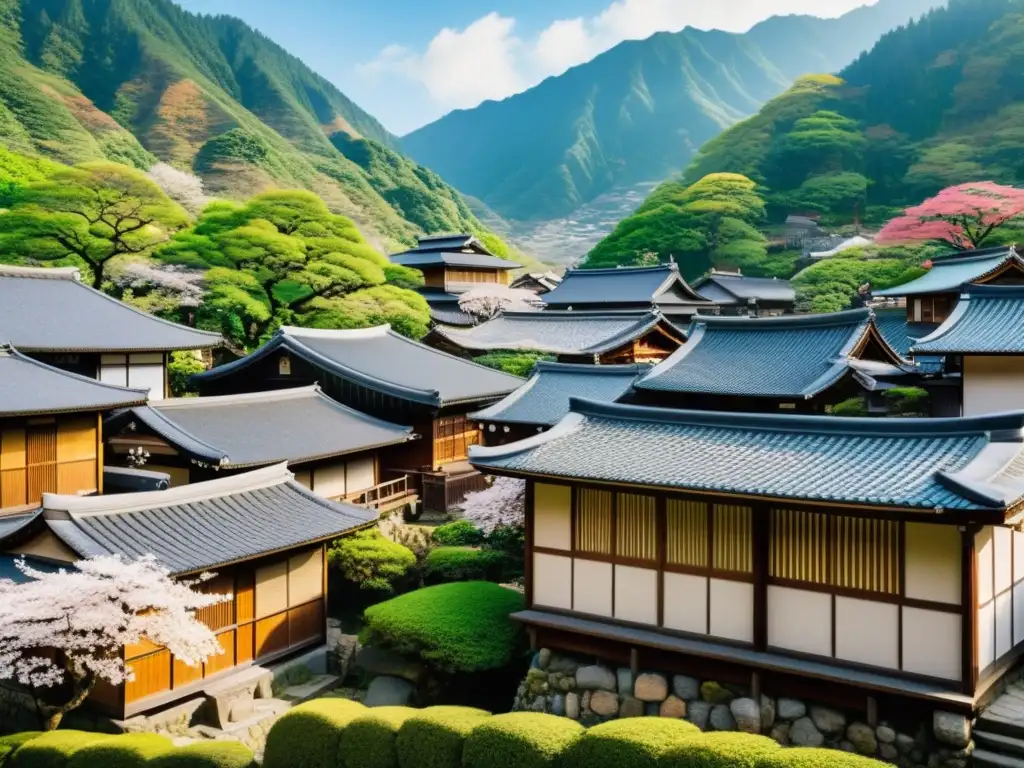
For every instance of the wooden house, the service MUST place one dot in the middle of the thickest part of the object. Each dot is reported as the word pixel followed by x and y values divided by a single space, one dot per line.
pixel 333 450
pixel 381 373
pixel 601 338
pixel 51 426
pixel 983 342
pixel 797 363
pixel 262 533
pixel 633 289
pixel 854 558
pixel 537 282
pixel 543 400
pixel 735 294
pixel 52 316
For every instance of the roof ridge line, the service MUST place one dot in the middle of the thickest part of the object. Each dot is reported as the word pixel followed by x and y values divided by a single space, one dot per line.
pixel 269 395
pixel 589 369
pixel 9 350
pixel 828 319
pixel 297 331
pixel 222 457
pixel 41 273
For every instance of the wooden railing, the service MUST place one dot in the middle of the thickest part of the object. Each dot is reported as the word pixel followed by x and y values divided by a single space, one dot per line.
pixel 380 494
pixel 442 492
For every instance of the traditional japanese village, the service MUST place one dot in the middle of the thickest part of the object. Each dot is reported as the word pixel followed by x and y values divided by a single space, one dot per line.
pixel 658 403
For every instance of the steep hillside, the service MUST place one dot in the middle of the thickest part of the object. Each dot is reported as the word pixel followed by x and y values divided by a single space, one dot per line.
pixel 638 112
pixel 135 80
pixel 934 103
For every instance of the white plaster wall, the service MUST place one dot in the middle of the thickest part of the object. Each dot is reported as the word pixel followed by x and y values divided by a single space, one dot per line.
pixel 986 635
pixel 984 546
pixel 592 587
pixel 149 377
pixel 686 603
pixel 993 384
pixel 931 643
pixel 800 620
pixel 732 610
pixel 552 581
pixel 360 474
pixel 636 594
pixel 1018 587
pixel 552 509
pixel 329 480
pixel 933 563
pixel 867 632
pixel 1002 542
pixel 1004 624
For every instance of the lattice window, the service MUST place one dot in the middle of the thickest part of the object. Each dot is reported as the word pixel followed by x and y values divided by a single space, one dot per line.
pixel 594 522
pixel 635 527
pixel 686 534
pixel 733 538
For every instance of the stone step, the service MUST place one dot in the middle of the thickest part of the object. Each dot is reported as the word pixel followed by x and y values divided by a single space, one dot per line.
pixel 318 686
pixel 987 721
pixel 985 759
pixel 998 742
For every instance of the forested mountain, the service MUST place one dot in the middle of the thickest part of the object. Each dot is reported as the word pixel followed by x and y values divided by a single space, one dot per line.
pixel 136 80
pixel 937 102
pixel 638 112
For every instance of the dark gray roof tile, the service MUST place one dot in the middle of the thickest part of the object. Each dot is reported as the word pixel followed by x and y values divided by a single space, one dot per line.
pixel 592 288
pixel 989 320
pixel 951 273
pixel 728 288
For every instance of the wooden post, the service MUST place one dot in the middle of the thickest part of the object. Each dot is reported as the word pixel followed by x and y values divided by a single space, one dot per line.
pixel 761 543
pixel 969 610
pixel 755 694
pixel 872 711
pixel 528 563
pixel 634 662
pixel 532 634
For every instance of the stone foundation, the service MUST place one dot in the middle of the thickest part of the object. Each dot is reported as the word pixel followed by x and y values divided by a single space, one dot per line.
pixel 593 693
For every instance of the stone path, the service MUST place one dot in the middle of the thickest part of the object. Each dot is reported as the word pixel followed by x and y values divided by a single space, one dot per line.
pixel 999 731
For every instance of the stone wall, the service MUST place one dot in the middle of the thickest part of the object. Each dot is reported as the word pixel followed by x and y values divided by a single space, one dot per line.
pixel 593 693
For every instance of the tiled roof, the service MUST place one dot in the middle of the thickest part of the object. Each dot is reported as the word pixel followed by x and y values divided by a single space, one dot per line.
pixel 582 288
pixel 29 387
pixel 32 299
pixel 899 332
pixel 796 356
pixel 727 288
pixel 203 525
pixel 544 399
pixel 950 273
pixel 384 361
pixel 451 259
pixel 444 307
pixel 459 241
pixel 989 320
pixel 264 427
pixel 558 333
pixel 934 464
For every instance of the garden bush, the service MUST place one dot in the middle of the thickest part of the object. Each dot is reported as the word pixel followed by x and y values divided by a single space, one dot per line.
pixel 309 735
pixel 132 750
pixel 520 740
pixel 446 564
pixel 460 533
pixel 853 407
pixel 435 737
pixel 369 740
pixel 721 750
pixel 371 560
pixel 54 748
pixel 815 757
pixel 211 754
pixel 461 627
pixel 638 742
pixel 10 743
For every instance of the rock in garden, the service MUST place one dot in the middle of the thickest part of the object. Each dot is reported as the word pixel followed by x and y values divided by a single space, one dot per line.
pixel 572 706
pixel 803 733
pixel 904 743
pixel 585 702
pixel 650 686
pixel 539 704
pixel 673 706
pixel 631 707
pixel 652 709
pixel 558 705
pixel 713 693
pixel 698 713
pixel 563 665
pixel 828 721
pixel 604 703
pixel 386 691
pixel 379 661
pixel 721 718
pixel 747 715
pixel 954 730
pixel 567 683
pixel 790 709
pixel 863 738
pixel 888 752
pixel 767 712
pixel 885 734
pixel 595 678
pixel 624 678
pixel 544 658
pixel 780 733
pixel 847 746
pixel 686 688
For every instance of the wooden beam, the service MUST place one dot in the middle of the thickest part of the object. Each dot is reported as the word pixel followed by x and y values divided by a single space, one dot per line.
pixel 528 562
pixel 969 610
pixel 761 542
pixel 634 662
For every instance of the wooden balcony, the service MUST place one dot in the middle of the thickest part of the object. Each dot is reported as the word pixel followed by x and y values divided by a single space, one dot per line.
pixel 385 496
pixel 443 492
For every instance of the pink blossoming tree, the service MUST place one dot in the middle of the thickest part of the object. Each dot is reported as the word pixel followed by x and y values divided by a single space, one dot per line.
pixel 70 627
pixel 501 505
pixel 963 216
pixel 485 301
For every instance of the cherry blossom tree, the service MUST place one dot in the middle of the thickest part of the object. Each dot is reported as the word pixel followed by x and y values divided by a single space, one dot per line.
pixel 485 301
pixel 963 216
pixel 500 505
pixel 69 628
pixel 184 188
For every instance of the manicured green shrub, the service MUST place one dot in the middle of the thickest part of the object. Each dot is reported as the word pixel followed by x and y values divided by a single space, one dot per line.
pixel 369 740
pixel 460 533
pixel 10 743
pixel 132 750
pixel 54 748
pixel 907 401
pixel 371 560
pixel 721 750
pixel 210 754
pixel 446 564
pixel 638 742
pixel 461 627
pixel 520 740
pixel 435 737
pixel 811 757
pixel 308 736
pixel 853 407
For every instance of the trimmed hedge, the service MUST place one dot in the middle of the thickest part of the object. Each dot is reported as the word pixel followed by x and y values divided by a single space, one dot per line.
pixel 54 748
pixel 213 754
pixel 721 750
pixel 371 560
pixel 446 564
pixel 10 743
pixel 132 750
pixel 461 627
pixel 814 757
pixel 520 740
pixel 460 533
pixel 309 735
pixel 435 737
pixel 639 742
pixel 369 740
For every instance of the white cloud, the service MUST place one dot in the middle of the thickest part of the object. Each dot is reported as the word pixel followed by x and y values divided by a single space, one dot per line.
pixel 486 60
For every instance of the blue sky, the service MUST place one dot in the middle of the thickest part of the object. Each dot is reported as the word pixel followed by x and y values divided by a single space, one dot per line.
pixel 408 62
